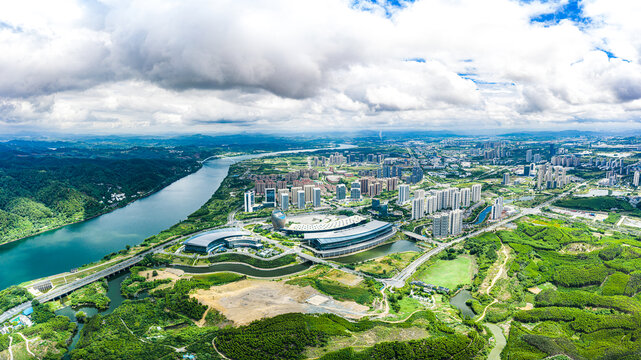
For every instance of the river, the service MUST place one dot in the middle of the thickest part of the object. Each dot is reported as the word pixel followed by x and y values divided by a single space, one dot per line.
pixel 74 245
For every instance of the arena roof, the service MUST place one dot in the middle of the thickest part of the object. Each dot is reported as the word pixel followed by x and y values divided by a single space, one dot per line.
pixel 328 237
pixel 207 238
pixel 327 226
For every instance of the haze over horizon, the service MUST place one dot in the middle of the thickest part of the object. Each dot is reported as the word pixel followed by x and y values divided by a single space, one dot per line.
pixel 291 66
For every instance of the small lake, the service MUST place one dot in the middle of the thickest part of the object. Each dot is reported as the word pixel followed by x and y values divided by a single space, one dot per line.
pixel 385 249
pixel 113 293
pixel 483 215
pixel 458 301
pixel 245 269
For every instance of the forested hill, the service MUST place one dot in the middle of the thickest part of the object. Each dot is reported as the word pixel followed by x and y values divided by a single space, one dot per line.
pixel 41 190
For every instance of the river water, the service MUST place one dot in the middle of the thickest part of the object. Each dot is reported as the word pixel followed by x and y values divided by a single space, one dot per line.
pixel 74 245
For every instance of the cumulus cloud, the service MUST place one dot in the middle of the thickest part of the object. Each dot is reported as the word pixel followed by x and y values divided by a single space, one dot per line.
pixel 169 65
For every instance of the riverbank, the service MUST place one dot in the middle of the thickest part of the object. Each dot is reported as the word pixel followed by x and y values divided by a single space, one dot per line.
pixel 72 246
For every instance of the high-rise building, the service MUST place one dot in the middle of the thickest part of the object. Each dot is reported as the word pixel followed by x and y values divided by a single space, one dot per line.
pixel 446 199
pixel 497 208
pixel 540 180
pixel 403 193
pixel 526 170
pixel 528 156
pixel 364 186
pixel 635 181
pixel 392 184
pixel 355 184
pixel 341 191
pixel 293 194
pixel 537 158
pixel 430 204
pixel 419 193
pixel 317 197
pixel 376 204
pixel 355 193
pixel 441 225
pixel 284 201
pixel 300 196
pixel 456 222
pixel 552 150
pixel 418 208
pixel 506 179
pixel 439 199
pixel 309 193
pixel 455 199
pixel 249 201
pixel 476 193
pixel 465 197
pixel 270 197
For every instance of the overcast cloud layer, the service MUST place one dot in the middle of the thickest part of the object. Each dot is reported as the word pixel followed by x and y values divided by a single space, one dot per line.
pixel 304 65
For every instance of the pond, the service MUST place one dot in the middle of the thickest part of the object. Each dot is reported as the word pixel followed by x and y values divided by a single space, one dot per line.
pixel 483 215
pixel 382 250
pixel 245 269
pixel 113 293
pixel 458 301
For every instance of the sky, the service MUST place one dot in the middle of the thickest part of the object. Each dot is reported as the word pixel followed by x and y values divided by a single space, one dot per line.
pixel 297 66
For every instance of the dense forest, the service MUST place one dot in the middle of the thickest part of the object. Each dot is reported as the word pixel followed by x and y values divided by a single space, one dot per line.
pixel 43 191
pixel 47 184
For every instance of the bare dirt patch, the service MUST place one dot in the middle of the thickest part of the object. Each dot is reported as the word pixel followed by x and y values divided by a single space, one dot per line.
pixel 245 301
pixel 528 306
pixel 578 248
pixel 344 278
pixel 534 290
pixel 171 274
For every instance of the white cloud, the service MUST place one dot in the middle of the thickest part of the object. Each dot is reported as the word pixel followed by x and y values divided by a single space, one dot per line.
pixel 301 65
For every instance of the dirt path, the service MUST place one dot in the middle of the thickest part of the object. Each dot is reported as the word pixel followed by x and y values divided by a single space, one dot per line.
pixel 10 351
pixel 496 278
pixel 213 343
pixel 26 341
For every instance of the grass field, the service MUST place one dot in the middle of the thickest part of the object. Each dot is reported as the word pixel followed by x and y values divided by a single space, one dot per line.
pixel 448 273
pixel 388 265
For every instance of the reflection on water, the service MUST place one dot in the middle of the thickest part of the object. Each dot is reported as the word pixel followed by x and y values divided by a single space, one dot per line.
pixel 113 293
pixel 245 269
pixel 458 301
pixel 385 249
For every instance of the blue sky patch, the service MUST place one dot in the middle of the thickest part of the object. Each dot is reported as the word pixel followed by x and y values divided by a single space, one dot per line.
pixel 572 11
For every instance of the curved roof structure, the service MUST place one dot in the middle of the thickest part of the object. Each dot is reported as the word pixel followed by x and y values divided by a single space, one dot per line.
pixel 349 236
pixel 327 226
pixel 210 236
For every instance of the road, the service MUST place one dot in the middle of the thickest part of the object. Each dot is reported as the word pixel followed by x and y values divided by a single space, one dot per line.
pixel 77 284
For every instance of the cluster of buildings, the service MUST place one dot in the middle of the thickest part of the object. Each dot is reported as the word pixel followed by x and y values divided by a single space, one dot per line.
pixel 429 288
pixel 551 177
pixel 447 223
pixel 295 196
pixel 425 203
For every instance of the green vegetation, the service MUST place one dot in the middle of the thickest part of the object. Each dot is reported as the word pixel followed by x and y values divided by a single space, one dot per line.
pixel 13 296
pixel 484 247
pixel 596 203
pixel 387 266
pixel 134 284
pixel 447 273
pixel 287 336
pixel 44 192
pixel 592 312
pixel 94 294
